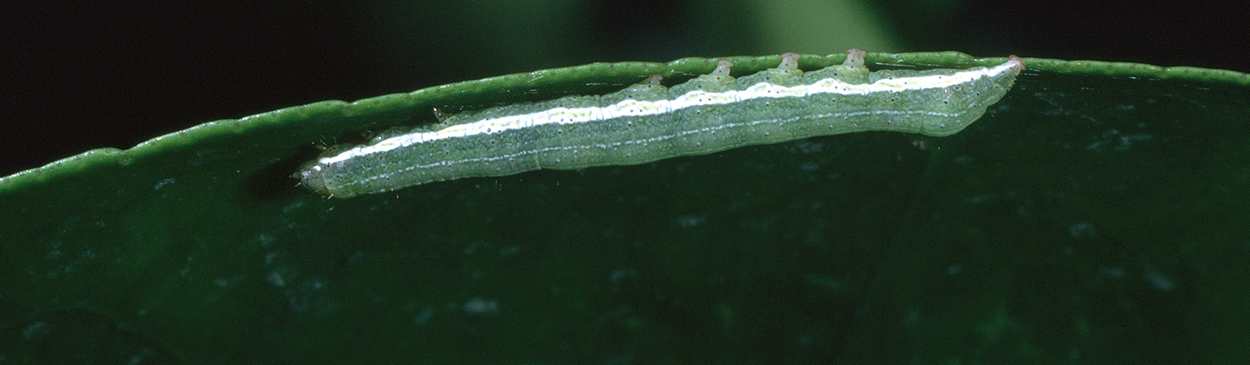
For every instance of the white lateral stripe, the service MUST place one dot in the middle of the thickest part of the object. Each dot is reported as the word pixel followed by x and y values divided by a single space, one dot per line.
pixel 653 139
pixel 630 107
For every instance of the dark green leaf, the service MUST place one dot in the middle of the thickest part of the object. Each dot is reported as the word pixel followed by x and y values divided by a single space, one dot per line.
pixel 1096 213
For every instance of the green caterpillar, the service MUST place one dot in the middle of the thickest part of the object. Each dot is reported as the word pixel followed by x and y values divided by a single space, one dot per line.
pixel 648 122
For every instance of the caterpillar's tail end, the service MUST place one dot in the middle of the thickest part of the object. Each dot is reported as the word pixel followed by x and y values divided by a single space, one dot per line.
pixel 1019 63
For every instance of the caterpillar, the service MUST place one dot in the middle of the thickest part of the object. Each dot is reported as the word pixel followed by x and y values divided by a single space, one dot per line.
pixel 647 122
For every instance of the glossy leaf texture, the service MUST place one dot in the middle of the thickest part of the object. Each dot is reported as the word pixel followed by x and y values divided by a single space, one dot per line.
pixel 1096 212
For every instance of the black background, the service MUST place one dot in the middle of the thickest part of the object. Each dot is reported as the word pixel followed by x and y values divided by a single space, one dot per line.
pixel 79 76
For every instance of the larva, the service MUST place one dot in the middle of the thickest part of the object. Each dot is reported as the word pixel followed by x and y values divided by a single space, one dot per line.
pixel 648 122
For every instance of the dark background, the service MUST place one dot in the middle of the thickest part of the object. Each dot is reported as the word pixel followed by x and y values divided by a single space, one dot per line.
pixel 79 76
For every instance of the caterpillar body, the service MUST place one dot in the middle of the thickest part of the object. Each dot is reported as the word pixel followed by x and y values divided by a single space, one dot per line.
pixel 648 122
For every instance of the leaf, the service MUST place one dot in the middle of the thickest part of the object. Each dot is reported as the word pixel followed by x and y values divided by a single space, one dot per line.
pixel 1098 209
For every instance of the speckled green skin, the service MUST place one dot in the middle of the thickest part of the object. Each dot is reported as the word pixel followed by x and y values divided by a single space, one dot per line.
pixel 696 130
